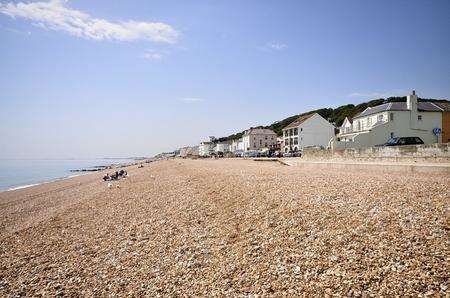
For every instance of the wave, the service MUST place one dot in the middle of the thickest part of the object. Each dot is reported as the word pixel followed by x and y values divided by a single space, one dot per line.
pixel 43 182
pixel 22 186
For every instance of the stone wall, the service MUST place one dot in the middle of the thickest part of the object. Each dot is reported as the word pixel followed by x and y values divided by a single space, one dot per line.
pixel 429 153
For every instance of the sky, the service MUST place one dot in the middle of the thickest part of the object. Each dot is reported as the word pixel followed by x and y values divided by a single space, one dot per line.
pixel 87 79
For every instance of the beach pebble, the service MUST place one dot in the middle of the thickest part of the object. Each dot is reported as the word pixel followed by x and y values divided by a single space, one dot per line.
pixel 229 228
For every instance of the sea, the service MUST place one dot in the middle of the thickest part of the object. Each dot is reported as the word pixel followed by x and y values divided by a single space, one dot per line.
pixel 22 173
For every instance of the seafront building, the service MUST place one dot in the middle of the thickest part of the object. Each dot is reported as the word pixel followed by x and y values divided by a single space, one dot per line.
pixel 206 148
pixel 376 125
pixel 258 138
pixel 222 147
pixel 237 145
pixel 310 130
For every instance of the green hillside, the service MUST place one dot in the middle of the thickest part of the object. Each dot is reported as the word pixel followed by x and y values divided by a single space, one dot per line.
pixel 336 115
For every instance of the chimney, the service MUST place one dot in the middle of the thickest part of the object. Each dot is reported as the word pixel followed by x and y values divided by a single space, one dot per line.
pixel 411 101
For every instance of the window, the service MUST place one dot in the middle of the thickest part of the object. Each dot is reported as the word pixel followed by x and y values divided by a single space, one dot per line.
pixel 419 117
pixel 369 121
pixel 295 131
pixel 301 129
pixel 391 116
pixel 380 117
pixel 295 141
pixel 392 134
pixel 265 138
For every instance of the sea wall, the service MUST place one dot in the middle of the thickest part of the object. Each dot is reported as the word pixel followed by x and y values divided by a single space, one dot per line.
pixel 429 153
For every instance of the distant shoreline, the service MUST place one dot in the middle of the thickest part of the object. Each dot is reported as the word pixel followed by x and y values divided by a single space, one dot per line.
pixel 70 172
pixel 43 182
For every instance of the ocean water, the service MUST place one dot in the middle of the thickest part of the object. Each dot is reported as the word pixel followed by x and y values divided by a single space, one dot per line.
pixel 21 173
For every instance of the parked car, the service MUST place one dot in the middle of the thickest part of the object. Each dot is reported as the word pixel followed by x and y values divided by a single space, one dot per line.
pixel 404 141
pixel 263 154
pixel 296 154
pixel 251 154
pixel 287 154
pixel 277 154
pixel 238 153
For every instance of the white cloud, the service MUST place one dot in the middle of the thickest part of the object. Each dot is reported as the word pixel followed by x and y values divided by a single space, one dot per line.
pixel 55 15
pixel 274 46
pixel 192 99
pixel 152 55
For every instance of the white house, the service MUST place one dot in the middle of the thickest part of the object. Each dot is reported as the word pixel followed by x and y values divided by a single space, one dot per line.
pixel 206 148
pixel 258 138
pixel 307 131
pixel 237 145
pixel 222 147
pixel 376 125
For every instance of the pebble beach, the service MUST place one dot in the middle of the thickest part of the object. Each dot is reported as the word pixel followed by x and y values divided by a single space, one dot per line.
pixel 228 228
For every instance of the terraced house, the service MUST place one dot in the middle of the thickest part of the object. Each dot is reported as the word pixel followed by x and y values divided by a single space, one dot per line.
pixel 310 130
pixel 376 125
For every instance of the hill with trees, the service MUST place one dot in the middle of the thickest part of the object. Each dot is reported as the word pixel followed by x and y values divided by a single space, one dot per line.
pixel 335 116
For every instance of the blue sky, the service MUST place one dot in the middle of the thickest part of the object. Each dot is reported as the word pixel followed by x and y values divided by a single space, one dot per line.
pixel 120 78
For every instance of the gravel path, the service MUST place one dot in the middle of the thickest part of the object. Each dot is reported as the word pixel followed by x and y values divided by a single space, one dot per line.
pixel 228 228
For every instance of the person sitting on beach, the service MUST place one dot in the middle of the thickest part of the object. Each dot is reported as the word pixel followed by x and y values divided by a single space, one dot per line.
pixel 121 173
pixel 115 176
pixel 106 177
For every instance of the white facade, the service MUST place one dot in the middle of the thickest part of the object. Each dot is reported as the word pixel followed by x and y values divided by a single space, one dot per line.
pixel 237 145
pixel 258 138
pixel 346 127
pixel 307 131
pixel 222 147
pixel 377 125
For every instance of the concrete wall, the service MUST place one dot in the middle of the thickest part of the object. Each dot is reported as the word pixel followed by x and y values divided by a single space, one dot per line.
pixel 430 152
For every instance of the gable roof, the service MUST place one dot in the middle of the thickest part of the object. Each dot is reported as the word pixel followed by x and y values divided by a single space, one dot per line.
pixel 299 121
pixel 347 119
pixel 399 106
pixel 445 106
